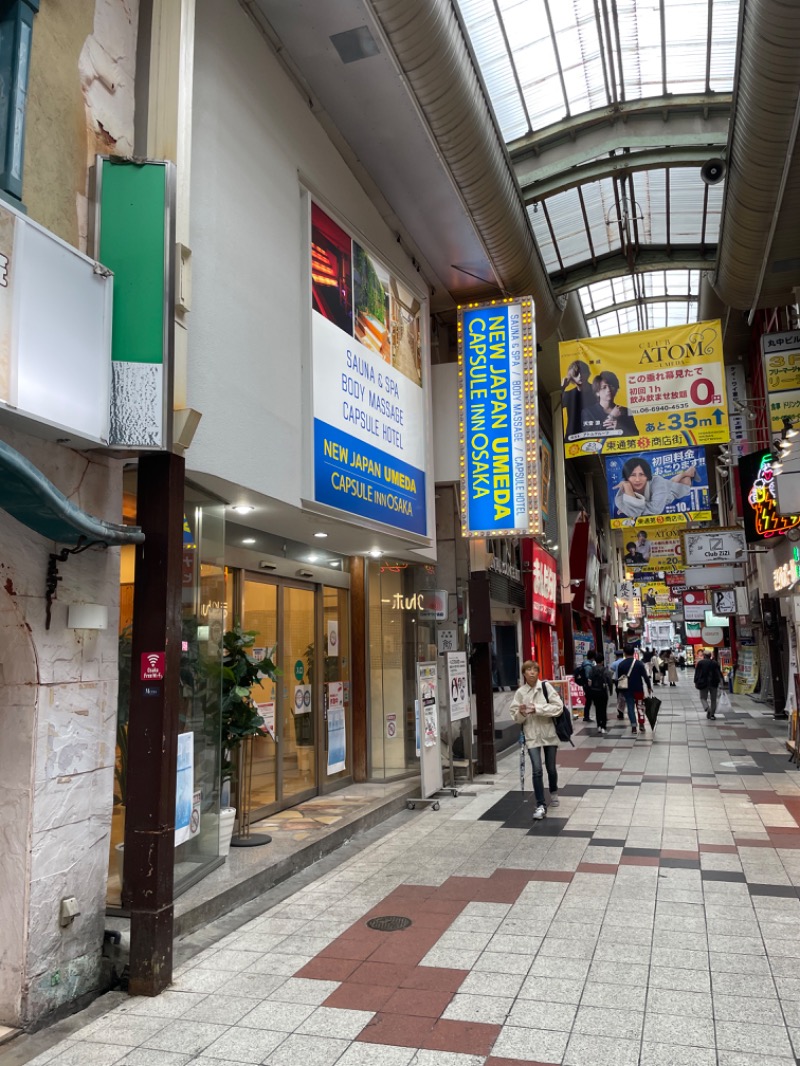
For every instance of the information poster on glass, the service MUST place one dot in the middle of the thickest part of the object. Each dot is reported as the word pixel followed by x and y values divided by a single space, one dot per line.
pixel 337 734
pixel 184 788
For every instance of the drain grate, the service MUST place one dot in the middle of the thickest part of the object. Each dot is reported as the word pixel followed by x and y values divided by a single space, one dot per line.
pixel 389 923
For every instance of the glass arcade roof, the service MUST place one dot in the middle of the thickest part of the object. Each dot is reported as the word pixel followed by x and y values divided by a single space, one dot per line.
pixel 604 106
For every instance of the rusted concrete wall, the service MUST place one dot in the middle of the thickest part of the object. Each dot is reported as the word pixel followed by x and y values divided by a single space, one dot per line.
pixel 80 101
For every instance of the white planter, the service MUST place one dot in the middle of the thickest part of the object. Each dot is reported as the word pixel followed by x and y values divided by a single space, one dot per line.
pixel 227 816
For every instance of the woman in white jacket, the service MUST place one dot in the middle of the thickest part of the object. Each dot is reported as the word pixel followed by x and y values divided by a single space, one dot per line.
pixel 535 707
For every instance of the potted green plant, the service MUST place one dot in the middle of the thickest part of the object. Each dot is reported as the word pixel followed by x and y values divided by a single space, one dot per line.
pixel 241 719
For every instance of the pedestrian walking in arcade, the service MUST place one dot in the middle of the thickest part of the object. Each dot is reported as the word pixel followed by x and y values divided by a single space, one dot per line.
pixel 632 679
pixel 581 677
pixel 598 688
pixel 535 707
pixel 707 679
pixel 672 668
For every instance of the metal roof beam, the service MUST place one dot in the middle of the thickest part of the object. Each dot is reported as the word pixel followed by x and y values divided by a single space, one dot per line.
pixel 547 180
pixel 709 107
pixel 687 297
pixel 649 257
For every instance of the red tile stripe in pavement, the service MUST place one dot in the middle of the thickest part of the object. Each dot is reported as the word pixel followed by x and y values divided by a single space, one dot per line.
pixel 381 972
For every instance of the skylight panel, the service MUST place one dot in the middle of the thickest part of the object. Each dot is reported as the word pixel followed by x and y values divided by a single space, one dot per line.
pixel 542 233
pixel 640 40
pixel 686 205
pixel 725 28
pixel 495 66
pixel 686 24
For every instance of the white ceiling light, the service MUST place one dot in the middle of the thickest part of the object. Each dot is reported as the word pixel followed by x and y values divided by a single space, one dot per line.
pixel 320 535
pixel 242 508
pixel 249 540
pixel 375 553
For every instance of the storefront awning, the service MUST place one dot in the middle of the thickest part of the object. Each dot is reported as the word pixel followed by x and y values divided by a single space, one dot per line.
pixel 27 495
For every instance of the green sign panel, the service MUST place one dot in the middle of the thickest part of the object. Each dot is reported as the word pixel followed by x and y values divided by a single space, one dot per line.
pixel 299 670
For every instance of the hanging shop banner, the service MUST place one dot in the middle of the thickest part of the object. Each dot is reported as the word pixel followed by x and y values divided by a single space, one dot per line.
pixel 723 601
pixel 369 399
pixel 759 505
pixel 781 358
pixel 629 600
pixel 658 488
pixel 656 594
pixel 660 388
pixel 457 685
pixel 545 475
pixel 737 399
pixel 500 492
pixel 714 546
pixel 652 550
pixel 545 580
pixel 745 679
pixel 337 733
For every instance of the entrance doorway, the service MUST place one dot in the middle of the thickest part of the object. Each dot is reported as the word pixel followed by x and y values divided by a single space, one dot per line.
pixel 307 627
pixel 284 763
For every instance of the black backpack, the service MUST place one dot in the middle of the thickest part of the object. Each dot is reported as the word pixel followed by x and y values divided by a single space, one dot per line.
pixel 598 679
pixel 563 723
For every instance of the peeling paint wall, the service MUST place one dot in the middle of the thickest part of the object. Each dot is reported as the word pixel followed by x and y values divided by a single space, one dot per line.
pixel 58 692
pixel 80 102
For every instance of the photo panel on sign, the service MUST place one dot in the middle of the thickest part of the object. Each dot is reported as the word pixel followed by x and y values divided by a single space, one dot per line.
pixel 658 487
pixel 644 391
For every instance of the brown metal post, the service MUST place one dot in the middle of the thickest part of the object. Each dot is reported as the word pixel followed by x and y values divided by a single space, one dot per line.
pixel 480 635
pixel 569 642
pixel 358 659
pixel 149 863
pixel 771 612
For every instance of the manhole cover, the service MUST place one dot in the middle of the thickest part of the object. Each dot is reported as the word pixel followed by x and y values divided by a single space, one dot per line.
pixel 389 923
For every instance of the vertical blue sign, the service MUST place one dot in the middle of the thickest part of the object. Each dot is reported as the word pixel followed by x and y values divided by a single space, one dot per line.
pixel 497 398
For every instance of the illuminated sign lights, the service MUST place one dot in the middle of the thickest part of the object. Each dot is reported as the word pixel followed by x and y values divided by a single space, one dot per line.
pixel 760 511
pixel 498 418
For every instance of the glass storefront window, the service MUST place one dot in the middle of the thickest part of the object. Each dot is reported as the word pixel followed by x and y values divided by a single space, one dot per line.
pixel 297 656
pixel 206 616
pixel 399 638
pixel 260 616
pixel 336 635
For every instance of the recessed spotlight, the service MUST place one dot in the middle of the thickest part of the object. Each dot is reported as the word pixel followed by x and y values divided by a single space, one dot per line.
pixel 312 557
pixel 249 540
pixel 321 536
pixel 242 508
pixel 335 562
pixel 375 553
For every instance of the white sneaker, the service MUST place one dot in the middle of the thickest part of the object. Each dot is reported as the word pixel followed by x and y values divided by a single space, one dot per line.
pixel 538 814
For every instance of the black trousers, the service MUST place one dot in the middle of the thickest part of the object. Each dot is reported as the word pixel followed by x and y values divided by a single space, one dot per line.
pixel 600 700
pixel 587 705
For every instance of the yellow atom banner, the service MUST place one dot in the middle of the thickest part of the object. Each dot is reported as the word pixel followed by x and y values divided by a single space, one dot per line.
pixel 657 389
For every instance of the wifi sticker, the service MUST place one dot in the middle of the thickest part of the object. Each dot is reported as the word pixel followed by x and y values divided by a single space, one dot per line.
pixel 153 663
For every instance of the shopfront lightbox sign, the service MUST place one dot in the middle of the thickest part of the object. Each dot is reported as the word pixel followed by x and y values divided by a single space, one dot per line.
pixel 498 418
pixel 55 335
pixel 714 546
pixel 787 575
pixel 368 332
pixel 545 581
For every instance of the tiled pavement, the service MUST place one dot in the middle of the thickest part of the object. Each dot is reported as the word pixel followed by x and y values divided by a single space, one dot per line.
pixel 653 918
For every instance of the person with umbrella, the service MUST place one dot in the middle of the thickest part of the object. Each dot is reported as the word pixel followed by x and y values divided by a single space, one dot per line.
pixel 632 679
pixel 535 707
